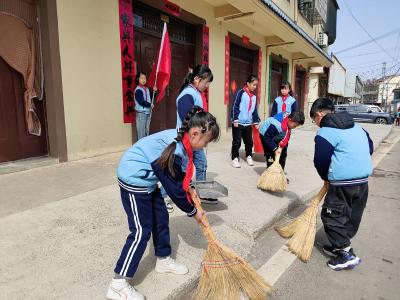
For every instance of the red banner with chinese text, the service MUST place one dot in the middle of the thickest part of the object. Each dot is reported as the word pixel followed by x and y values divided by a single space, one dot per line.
pixel 127 59
pixel 256 136
pixel 227 51
pixel 259 76
pixel 205 54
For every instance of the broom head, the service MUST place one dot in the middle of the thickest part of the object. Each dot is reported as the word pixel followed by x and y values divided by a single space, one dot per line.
pixel 273 179
pixel 224 274
pixel 302 230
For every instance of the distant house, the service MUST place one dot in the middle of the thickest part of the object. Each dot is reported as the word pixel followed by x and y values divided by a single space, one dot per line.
pixel 396 100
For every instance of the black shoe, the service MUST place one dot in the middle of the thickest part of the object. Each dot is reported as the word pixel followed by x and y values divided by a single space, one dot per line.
pixel 209 201
pixel 329 250
pixel 344 260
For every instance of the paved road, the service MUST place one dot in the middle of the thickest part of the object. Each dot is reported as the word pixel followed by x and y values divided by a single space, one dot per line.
pixel 377 244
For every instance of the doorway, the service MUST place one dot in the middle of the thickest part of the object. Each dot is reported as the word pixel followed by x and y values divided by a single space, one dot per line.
pixel 15 142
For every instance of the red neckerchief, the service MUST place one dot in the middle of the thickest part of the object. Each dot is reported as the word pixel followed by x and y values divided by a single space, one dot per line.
pixel 145 91
pixel 284 124
pixel 203 98
pixel 284 102
pixel 250 94
pixel 190 166
pixel 283 143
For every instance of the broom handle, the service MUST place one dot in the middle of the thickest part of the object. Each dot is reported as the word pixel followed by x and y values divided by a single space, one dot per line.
pixel 208 233
pixel 277 157
pixel 320 195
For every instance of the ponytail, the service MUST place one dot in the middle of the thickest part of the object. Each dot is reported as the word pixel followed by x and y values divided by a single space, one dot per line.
pixel 196 117
pixel 186 81
pixel 201 71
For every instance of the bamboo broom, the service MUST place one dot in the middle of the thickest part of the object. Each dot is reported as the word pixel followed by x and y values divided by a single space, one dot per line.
pixel 302 230
pixel 224 274
pixel 273 178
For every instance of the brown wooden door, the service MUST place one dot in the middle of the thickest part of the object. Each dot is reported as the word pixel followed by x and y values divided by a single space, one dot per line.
pixel 299 88
pixel 241 63
pixel 278 75
pixel 239 70
pixel 15 142
pixel 146 47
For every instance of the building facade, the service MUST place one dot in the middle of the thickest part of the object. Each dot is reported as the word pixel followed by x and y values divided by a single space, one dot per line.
pixel 381 92
pixel 352 89
pixel 81 112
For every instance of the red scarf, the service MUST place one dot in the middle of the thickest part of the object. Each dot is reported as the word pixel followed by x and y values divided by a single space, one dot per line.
pixel 190 166
pixel 203 98
pixel 283 143
pixel 284 103
pixel 250 94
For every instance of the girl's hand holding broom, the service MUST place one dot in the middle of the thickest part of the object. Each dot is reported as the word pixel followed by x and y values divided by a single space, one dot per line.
pixel 199 217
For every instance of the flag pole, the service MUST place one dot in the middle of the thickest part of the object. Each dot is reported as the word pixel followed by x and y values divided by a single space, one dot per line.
pixel 155 81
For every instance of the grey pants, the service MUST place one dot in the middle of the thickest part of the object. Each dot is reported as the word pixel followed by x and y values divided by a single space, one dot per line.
pixel 142 124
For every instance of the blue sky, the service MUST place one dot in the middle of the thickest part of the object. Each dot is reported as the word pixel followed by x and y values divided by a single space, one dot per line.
pixel 378 18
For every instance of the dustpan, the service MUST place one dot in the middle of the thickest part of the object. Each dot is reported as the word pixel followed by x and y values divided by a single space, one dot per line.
pixel 211 189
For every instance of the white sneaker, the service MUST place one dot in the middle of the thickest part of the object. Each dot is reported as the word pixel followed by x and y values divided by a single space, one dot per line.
pixel 236 163
pixel 250 161
pixel 169 206
pixel 169 265
pixel 120 289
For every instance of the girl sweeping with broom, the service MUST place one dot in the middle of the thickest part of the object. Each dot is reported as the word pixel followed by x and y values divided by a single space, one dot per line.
pixel 167 158
pixel 275 134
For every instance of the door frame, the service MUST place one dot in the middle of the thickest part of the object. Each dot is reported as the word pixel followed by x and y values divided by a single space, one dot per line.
pixel 57 138
pixel 300 68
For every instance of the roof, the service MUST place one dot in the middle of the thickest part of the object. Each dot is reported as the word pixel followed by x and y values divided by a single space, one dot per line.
pixel 279 12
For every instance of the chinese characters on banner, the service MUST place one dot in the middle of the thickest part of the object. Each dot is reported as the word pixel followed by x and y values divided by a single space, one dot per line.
pixel 204 54
pixel 256 136
pixel 227 50
pixel 259 76
pixel 127 59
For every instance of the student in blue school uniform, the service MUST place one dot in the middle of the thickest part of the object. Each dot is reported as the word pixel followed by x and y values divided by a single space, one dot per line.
pixel 285 102
pixel 244 114
pixel 191 93
pixel 342 158
pixel 165 157
pixel 275 134
pixel 143 105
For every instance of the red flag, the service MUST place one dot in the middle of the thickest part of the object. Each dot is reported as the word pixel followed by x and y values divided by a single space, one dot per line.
pixel 161 72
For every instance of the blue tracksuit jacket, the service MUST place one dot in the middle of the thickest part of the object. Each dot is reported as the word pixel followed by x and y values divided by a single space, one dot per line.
pixel 240 109
pixel 342 150
pixel 138 167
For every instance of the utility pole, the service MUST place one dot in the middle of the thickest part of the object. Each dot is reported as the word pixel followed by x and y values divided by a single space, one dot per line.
pixel 387 95
pixel 383 84
pixel 362 92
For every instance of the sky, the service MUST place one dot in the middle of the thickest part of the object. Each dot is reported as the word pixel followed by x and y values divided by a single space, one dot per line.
pixel 378 18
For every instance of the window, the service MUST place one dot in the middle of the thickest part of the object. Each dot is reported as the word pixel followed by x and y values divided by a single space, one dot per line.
pixel 362 109
pixel 306 9
pixel 376 109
